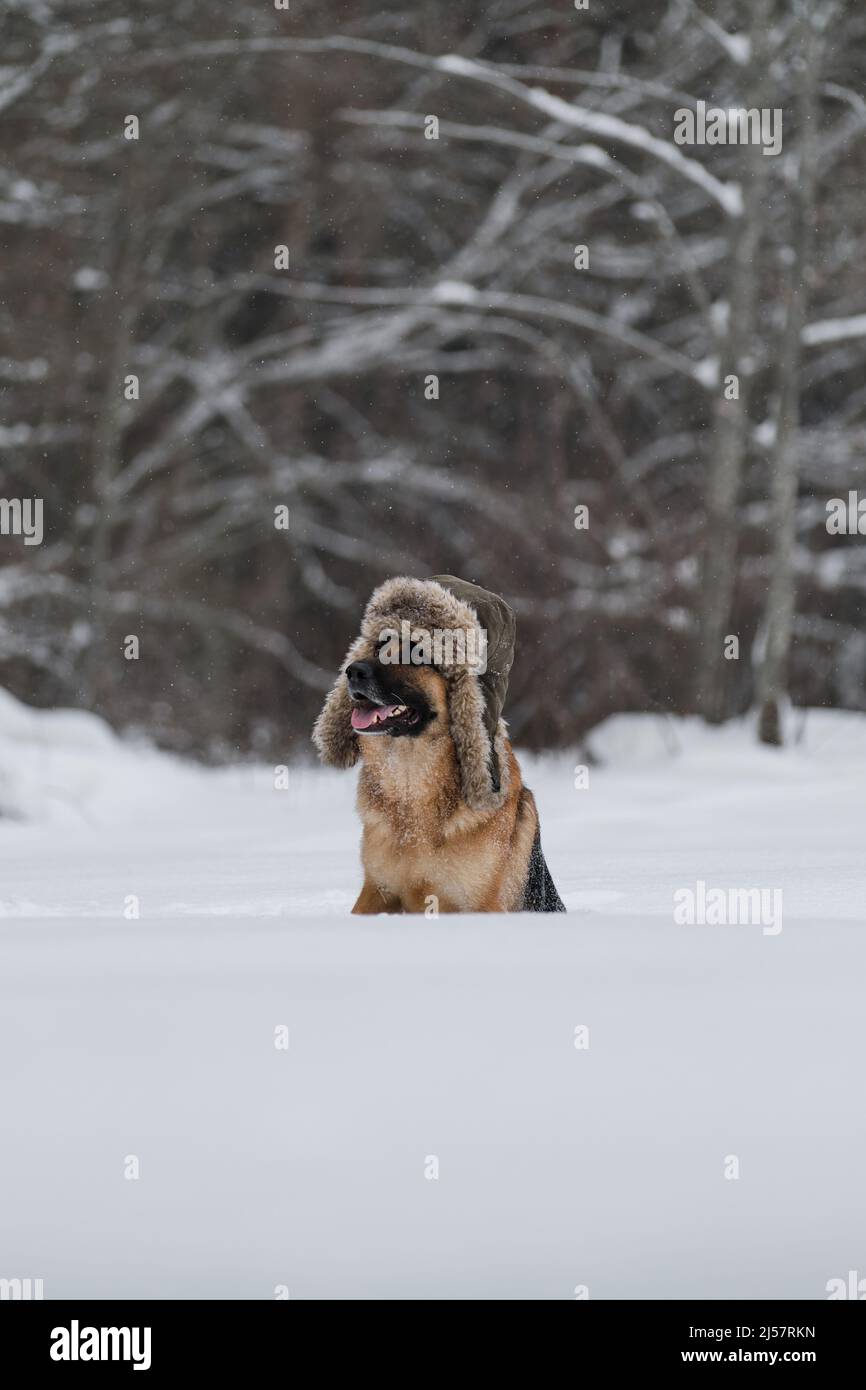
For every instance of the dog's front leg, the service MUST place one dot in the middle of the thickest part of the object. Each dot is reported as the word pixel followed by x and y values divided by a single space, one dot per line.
pixel 373 899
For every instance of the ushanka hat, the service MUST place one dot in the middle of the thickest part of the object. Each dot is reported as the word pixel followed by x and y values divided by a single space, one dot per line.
pixel 476 690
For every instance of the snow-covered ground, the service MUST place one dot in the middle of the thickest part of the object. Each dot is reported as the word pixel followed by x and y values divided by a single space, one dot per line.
pixel 312 1167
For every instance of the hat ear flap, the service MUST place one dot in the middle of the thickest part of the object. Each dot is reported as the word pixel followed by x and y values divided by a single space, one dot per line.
pixel 333 734
pixel 483 769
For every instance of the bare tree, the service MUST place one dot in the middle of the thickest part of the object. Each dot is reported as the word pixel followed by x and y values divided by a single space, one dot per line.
pixel 814 16
pixel 424 352
pixel 736 337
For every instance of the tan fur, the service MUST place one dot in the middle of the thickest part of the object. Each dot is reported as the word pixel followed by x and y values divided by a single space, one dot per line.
pixel 421 840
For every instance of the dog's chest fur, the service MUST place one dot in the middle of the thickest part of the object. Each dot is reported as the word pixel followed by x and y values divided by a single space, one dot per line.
pixel 420 839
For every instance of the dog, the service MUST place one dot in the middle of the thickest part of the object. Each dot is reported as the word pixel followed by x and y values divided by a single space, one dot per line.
pixel 448 825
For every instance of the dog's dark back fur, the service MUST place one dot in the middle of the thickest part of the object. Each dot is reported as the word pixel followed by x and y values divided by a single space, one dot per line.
pixel 540 894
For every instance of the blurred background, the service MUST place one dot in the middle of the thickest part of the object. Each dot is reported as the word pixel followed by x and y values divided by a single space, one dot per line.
pixel 330 270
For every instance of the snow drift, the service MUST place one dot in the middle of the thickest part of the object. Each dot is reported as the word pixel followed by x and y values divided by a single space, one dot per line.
pixel 474 1107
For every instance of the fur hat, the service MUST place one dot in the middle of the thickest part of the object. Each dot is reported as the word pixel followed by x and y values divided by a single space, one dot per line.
pixel 476 694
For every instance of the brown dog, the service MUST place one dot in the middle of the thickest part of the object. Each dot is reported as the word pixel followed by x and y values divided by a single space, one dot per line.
pixel 448 823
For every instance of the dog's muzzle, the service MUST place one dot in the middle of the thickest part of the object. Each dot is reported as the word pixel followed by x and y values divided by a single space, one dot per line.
pixel 374 709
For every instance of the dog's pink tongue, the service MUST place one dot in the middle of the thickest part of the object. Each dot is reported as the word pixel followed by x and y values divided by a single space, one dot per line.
pixel 364 718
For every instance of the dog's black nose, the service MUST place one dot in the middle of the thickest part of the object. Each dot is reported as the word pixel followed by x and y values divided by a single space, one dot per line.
pixel 357 672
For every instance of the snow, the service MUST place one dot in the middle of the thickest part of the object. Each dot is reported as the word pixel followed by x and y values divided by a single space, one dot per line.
pixel 834 330
pixel 707 371
pixel 88 277
pixel 408 1039
pixel 737 46
pixel 36 369
pixel 453 292
pixel 608 127
pixel 765 433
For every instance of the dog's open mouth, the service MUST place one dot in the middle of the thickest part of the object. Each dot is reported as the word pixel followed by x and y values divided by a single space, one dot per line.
pixel 368 718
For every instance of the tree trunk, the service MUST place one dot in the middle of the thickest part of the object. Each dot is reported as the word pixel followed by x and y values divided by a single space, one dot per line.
pixel 780 605
pixel 731 423
pixel 125 288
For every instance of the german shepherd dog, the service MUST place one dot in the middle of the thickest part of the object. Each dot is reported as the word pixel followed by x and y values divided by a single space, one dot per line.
pixel 448 825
